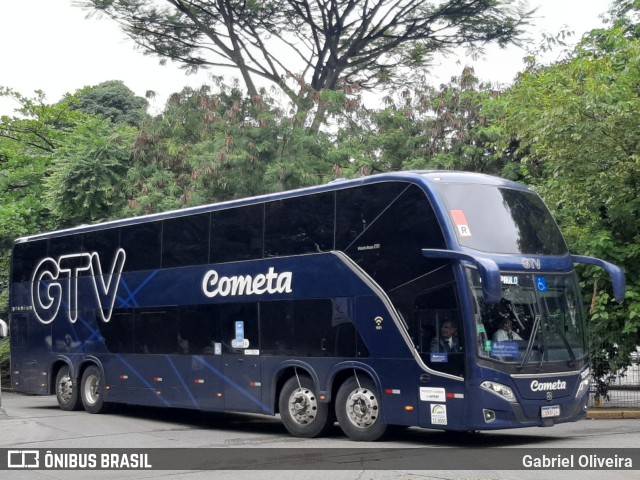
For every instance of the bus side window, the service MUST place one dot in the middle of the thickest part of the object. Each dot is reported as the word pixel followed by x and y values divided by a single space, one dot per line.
pixel 434 310
pixel 199 326
pixel 345 345
pixel 276 328
pixel 427 334
pixel 25 259
pixel 299 225
pixel 156 330
pixel 236 234
pixel 182 241
pixel 308 328
pixel 142 244
pixel 118 332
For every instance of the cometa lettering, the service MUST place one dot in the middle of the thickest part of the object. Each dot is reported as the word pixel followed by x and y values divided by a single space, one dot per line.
pixel 537 386
pixel 272 282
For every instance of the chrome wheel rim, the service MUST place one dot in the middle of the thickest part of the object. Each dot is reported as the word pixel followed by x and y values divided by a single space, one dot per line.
pixel 303 406
pixel 92 389
pixel 65 388
pixel 362 407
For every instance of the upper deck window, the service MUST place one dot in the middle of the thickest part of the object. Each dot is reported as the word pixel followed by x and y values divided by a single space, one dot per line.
pixel 501 220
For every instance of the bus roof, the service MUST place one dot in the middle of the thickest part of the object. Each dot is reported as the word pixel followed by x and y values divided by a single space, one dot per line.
pixel 422 177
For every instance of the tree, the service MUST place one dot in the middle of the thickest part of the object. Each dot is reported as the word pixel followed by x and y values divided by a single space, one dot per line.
pixel 86 182
pixel 427 128
pixel 215 143
pixel 304 47
pixel 111 100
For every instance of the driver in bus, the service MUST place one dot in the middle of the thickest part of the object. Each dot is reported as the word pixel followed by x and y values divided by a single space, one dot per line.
pixel 505 333
pixel 447 341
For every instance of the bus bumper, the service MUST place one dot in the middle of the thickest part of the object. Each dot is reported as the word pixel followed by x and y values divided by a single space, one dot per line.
pixel 495 413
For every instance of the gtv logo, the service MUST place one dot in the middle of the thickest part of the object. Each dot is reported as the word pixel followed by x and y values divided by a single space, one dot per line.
pixel 54 279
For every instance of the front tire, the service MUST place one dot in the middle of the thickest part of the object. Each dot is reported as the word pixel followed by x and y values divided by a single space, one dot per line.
pixel 92 390
pixel 301 412
pixel 359 411
pixel 67 391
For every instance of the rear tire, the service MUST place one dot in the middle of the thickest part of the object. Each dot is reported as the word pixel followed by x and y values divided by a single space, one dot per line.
pixel 92 390
pixel 359 411
pixel 301 412
pixel 67 390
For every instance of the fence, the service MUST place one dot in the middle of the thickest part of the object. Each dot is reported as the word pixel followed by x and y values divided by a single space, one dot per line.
pixel 624 389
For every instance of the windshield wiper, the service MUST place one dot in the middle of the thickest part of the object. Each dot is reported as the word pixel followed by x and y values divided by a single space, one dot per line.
pixel 562 336
pixel 534 332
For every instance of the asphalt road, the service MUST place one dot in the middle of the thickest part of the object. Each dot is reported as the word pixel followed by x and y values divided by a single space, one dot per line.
pixel 30 422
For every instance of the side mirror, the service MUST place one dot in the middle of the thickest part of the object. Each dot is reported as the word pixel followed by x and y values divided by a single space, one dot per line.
pixel 4 329
pixel 616 274
pixel 489 271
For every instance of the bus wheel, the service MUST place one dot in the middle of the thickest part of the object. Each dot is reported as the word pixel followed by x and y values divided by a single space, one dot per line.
pixel 358 410
pixel 66 392
pixel 92 390
pixel 301 412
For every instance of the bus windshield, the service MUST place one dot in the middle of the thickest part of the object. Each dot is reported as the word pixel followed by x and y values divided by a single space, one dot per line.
pixel 501 220
pixel 539 320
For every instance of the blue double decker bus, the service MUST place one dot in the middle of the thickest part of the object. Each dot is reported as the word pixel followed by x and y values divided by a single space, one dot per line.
pixel 442 300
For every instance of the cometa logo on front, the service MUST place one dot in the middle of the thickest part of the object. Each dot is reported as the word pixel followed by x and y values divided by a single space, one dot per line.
pixel 537 386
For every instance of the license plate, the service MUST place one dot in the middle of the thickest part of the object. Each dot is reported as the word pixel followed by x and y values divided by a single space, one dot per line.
pixel 551 411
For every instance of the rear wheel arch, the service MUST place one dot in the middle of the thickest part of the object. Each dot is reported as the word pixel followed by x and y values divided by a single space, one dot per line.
pixel 344 373
pixel 284 374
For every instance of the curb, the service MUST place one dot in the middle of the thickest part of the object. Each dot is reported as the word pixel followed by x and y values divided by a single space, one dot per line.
pixel 613 414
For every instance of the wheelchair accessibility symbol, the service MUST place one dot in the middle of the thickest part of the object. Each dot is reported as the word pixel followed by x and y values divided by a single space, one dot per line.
pixel 541 283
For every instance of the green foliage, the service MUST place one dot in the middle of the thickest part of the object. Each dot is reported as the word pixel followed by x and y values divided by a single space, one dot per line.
pixel 86 182
pixel 214 145
pixel 111 100
pixel 428 128
pixel 4 357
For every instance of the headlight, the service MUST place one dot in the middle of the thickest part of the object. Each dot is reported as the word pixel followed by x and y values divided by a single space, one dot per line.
pixel 584 386
pixel 500 390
